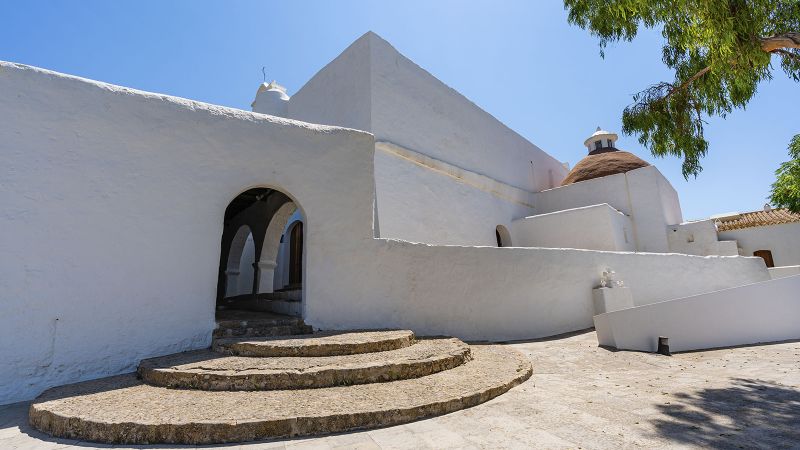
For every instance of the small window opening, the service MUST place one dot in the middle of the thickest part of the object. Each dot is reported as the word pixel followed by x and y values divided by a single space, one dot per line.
pixel 598 144
pixel 766 255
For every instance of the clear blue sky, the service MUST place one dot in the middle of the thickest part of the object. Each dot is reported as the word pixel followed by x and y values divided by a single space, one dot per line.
pixel 519 60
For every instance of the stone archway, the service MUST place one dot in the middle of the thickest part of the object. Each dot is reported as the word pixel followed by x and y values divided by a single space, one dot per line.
pixel 271 246
pixel 266 214
pixel 232 267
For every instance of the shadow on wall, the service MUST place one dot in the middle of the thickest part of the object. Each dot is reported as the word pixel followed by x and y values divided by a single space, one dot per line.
pixel 751 413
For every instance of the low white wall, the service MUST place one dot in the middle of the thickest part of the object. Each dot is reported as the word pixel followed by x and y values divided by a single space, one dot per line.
pixel 760 312
pixel 782 240
pixel 699 238
pixel 488 293
pixel 783 271
pixel 597 227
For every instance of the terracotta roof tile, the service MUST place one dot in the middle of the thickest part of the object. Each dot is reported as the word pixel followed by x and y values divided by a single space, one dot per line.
pixel 758 219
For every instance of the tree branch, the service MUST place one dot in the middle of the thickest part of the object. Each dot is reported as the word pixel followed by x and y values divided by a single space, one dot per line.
pixel 689 81
pixel 783 52
pixel 780 41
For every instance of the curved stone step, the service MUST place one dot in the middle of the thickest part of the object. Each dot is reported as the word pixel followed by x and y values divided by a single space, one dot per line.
pixel 211 371
pixel 328 343
pixel 123 410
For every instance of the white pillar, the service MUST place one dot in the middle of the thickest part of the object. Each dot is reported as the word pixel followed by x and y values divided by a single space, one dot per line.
pixel 231 282
pixel 266 275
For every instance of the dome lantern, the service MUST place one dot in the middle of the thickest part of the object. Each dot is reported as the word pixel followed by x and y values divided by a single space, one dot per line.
pixel 601 141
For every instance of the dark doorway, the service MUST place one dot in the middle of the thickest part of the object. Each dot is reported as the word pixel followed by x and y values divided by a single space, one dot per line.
pixel 296 254
pixel 766 255
pixel 503 236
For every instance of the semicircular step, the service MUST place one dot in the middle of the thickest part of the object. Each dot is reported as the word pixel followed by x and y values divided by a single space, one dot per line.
pixel 123 410
pixel 208 370
pixel 326 343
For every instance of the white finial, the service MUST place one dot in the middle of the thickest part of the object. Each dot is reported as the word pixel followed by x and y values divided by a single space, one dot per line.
pixel 767 207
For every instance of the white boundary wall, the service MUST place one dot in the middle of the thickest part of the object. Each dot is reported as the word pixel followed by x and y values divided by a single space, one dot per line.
pixel 760 312
pixel 485 293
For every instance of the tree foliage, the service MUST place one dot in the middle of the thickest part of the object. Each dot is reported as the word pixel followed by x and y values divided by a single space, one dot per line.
pixel 786 189
pixel 719 51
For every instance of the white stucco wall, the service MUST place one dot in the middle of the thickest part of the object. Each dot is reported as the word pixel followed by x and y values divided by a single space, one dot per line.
pixel 698 238
pixel 783 271
pixel 105 188
pixel 642 194
pixel 489 293
pixel 410 107
pixel 339 94
pixel 759 312
pixel 419 204
pixel 372 86
pixel 782 240
pixel 597 227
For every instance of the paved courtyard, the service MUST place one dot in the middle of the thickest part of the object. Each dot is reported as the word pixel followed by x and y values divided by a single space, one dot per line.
pixel 581 396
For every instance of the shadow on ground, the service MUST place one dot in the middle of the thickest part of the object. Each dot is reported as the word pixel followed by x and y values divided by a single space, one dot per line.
pixel 749 413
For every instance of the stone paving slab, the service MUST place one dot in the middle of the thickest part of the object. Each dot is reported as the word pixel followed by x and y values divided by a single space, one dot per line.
pixel 744 397
pixel 327 343
pixel 122 409
pixel 209 370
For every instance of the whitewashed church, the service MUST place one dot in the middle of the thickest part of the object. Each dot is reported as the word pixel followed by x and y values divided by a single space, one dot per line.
pixel 375 197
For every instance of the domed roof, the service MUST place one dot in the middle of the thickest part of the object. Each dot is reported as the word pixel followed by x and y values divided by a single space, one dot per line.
pixel 603 164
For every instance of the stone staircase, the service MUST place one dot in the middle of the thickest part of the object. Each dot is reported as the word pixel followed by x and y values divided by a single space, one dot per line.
pixel 265 377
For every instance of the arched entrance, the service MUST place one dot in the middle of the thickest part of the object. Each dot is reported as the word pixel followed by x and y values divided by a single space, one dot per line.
pixel 261 258
pixel 503 236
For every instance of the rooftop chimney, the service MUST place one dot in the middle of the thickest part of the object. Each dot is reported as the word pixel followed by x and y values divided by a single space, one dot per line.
pixel 271 99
